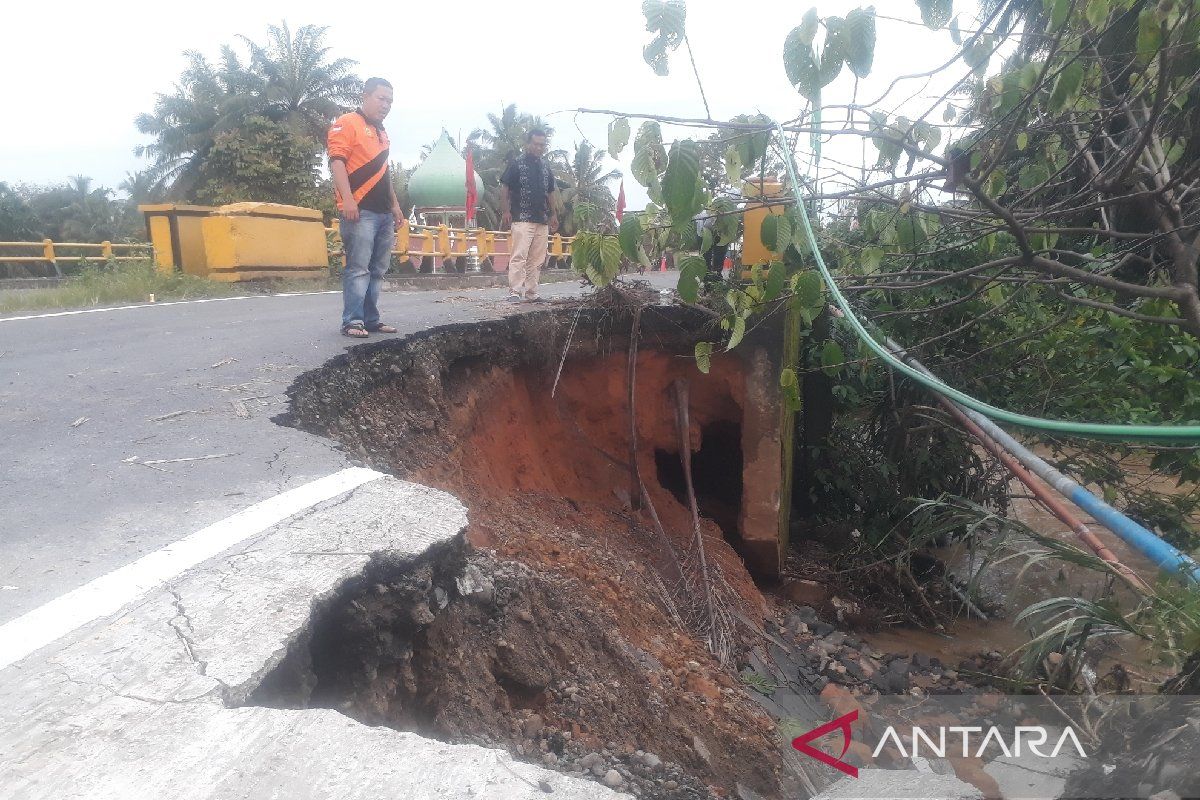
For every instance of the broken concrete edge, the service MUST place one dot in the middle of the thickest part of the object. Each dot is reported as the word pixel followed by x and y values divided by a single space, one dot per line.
pixel 138 704
pixel 109 593
pixel 764 520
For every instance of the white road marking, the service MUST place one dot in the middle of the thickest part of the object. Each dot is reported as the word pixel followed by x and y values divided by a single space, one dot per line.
pixel 240 297
pixel 107 594
pixel 160 305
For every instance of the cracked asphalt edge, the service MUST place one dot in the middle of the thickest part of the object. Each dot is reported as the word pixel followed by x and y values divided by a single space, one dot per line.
pixel 139 689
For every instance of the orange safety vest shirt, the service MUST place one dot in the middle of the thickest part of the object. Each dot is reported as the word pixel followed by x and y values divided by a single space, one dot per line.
pixel 363 148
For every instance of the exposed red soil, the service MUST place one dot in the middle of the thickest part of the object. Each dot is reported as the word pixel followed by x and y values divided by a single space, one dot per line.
pixel 513 440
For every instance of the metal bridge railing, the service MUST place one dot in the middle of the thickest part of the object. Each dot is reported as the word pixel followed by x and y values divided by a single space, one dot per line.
pixel 49 251
pixel 446 242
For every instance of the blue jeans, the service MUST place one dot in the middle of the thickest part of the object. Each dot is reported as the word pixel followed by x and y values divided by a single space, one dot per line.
pixel 368 243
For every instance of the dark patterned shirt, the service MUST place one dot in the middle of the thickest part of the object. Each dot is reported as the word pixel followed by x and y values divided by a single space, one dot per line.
pixel 529 179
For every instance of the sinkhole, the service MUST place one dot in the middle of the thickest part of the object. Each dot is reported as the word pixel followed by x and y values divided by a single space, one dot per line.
pixel 559 626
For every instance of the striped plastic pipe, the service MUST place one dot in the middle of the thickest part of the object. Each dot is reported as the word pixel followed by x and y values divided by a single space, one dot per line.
pixel 1166 556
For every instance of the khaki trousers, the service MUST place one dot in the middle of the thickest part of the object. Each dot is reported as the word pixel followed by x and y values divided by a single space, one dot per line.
pixel 529 241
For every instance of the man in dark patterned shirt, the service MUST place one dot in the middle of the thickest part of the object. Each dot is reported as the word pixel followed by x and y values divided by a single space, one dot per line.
pixel 527 205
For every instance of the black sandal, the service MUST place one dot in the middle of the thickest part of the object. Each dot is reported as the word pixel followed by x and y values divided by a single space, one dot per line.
pixel 355 330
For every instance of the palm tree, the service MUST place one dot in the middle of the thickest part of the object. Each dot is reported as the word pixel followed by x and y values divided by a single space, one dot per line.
pixel 299 83
pixel 17 221
pixel 291 79
pixel 139 187
pixel 207 101
pixel 89 215
pixel 583 184
pixel 494 148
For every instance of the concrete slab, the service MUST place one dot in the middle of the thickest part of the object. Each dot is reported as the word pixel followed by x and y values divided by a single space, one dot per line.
pixel 886 784
pixel 143 703
pixel 1029 778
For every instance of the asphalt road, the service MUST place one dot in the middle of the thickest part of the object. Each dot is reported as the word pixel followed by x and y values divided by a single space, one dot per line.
pixel 161 382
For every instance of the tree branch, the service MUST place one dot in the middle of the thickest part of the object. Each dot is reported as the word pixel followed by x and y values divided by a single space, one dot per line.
pixel 1123 312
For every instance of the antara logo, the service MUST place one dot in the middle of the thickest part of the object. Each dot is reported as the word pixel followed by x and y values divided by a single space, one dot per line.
pixel 842 723
pixel 937 742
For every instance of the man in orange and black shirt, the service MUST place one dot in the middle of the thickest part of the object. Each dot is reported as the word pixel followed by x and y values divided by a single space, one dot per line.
pixel 367 204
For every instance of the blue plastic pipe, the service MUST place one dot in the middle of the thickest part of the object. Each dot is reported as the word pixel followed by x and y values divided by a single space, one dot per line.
pixel 1166 556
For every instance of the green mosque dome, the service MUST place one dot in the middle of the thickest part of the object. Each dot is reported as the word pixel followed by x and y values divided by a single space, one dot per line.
pixel 439 182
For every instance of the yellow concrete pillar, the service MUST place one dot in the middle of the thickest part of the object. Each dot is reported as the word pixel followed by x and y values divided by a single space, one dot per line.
pixel 106 251
pixel 556 246
pixel 753 250
pixel 253 241
pixel 443 241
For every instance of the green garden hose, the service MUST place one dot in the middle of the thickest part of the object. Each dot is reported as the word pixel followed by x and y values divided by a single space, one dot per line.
pixel 1141 433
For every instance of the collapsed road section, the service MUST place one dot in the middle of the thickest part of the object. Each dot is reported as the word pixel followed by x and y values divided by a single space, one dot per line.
pixel 602 642
pixel 151 702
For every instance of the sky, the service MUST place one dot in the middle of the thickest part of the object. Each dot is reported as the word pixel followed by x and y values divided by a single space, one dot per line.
pixel 451 63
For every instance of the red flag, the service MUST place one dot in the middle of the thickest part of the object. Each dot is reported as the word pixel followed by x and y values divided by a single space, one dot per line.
pixel 621 203
pixel 472 195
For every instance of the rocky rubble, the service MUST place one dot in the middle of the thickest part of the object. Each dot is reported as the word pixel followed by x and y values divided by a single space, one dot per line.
pixel 621 767
pixel 467 648
pixel 806 655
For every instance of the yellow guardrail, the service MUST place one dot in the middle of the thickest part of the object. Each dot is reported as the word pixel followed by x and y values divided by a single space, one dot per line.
pixel 417 241
pixel 50 252
pixel 447 242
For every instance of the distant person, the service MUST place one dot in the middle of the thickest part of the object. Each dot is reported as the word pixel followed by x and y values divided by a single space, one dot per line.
pixel 715 256
pixel 527 207
pixel 368 209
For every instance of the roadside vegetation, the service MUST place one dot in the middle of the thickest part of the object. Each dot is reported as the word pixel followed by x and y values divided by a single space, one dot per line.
pixel 1032 235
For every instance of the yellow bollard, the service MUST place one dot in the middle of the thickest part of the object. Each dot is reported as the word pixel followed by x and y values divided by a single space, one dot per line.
pixel 106 251
pixel 556 246
pixel 48 254
pixel 402 239
pixel 753 250
pixel 443 241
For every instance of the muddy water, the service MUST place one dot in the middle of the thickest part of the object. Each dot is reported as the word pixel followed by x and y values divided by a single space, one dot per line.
pixel 1017 584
